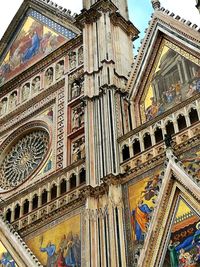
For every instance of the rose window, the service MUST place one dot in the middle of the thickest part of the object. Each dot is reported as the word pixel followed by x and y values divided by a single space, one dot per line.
pixel 23 158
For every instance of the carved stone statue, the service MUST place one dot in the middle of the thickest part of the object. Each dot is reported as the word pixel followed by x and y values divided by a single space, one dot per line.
pixel 13 101
pixel 59 69
pixel 75 119
pixel 36 85
pixel 75 152
pixel 3 106
pixel 49 76
pixel 72 60
pixel 168 140
pixel 82 148
pixel 75 90
pixel 80 56
pixel 25 92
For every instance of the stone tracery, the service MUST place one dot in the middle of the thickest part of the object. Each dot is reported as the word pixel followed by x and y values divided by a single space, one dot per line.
pixel 23 158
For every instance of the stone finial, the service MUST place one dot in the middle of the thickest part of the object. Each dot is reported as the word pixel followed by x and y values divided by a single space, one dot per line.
pixel 155 4
pixel 198 5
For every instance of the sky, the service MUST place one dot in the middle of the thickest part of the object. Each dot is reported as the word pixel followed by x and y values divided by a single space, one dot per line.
pixel 140 11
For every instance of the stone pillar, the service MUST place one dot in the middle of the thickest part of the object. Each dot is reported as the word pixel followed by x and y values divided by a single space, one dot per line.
pixel 48 196
pixel 39 200
pixel 180 71
pixel 13 213
pixel 116 227
pixel 185 70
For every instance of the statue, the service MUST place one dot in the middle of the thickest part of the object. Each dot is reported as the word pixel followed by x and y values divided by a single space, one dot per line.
pixel 36 85
pixel 49 76
pixel 25 92
pixel 75 152
pixel 13 101
pixel 59 69
pixel 82 148
pixel 72 60
pixel 75 119
pixel 168 140
pixel 3 106
pixel 75 90
pixel 80 56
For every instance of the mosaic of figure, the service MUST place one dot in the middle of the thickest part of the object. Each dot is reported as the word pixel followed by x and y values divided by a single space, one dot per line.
pixel 59 246
pixel 174 79
pixel 33 42
pixel 191 160
pixel 72 60
pixel 59 69
pixel 80 56
pixel 3 106
pixel 5 257
pixel 49 77
pixel 36 85
pixel 26 91
pixel 184 244
pixel 142 201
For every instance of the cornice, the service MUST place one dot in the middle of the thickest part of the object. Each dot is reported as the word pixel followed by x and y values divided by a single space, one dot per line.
pixel 53 216
pixel 39 183
pixel 127 26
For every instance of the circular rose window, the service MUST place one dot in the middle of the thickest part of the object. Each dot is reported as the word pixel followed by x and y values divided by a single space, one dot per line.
pixel 23 158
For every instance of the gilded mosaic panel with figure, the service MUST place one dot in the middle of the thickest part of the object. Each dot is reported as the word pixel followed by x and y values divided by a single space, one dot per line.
pixel 59 246
pixel 183 248
pixel 33 42
pixel 6 258
pixel 139 196
pixel 174 78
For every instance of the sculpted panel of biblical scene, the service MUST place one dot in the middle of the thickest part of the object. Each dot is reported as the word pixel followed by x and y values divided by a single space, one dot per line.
pixel 142 196
pixel 174 78
pixel 183 248
pixel 33 42
pixel 59 245
pixel 6 258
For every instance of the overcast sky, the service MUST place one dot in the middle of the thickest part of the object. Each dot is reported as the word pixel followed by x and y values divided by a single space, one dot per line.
pixel 140 11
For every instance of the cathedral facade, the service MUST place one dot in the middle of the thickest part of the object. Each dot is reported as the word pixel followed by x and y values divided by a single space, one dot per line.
pixel 99 150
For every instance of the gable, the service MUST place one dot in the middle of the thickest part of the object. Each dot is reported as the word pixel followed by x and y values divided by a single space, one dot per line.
pixel 184 239
pixel 174 77
pixel 176 221
pixel 36 37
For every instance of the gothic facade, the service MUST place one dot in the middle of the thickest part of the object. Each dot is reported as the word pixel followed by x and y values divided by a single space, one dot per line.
pixel 99 150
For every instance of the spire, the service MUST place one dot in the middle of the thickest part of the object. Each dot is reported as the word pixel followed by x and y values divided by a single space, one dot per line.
pixel 155 4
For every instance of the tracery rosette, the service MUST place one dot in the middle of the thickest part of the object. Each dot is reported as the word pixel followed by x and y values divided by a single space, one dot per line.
pixel 23 158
